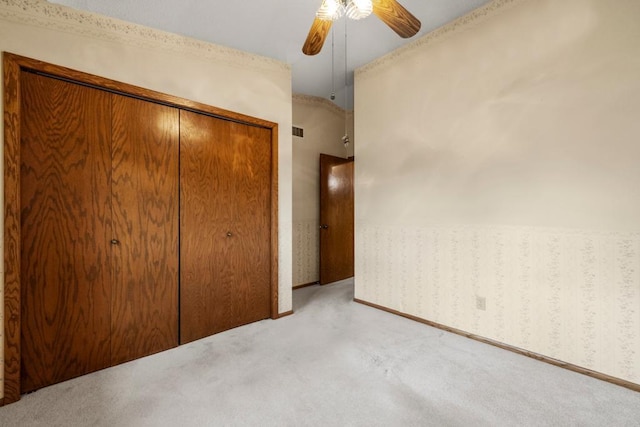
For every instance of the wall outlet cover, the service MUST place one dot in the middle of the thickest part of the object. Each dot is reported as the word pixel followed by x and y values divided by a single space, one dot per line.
pixel 481 303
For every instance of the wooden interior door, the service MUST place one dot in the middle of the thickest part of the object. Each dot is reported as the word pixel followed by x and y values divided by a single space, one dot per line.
pixel 145 228
pixel 65 209
pixel 225 171
pixel 336 219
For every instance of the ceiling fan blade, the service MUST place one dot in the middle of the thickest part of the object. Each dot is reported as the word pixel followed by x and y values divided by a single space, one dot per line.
pixel 317 35
pixel 397 17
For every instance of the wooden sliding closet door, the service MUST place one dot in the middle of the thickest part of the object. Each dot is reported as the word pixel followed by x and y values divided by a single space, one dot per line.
pixel 145 228
pixel 65 207
pixel 225 178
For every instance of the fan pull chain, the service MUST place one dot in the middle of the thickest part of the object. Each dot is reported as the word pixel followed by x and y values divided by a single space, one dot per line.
pixel 333 68
pixel 345 138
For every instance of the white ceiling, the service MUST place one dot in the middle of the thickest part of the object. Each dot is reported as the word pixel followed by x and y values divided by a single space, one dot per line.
pixel 278 29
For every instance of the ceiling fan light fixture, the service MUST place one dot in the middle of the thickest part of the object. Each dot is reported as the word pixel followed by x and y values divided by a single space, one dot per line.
pixel 391 12
pixel 330 10
pixel 359 9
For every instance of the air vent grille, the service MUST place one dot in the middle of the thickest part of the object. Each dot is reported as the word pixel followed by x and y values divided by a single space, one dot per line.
pixel 298 132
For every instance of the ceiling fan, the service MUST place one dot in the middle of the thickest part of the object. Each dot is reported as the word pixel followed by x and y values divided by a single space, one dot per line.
pixel 390 12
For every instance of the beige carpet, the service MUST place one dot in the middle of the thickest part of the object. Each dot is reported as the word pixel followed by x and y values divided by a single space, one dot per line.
pixel 334 363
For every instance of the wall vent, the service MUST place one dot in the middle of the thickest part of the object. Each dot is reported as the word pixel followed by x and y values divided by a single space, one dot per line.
pixel 298 132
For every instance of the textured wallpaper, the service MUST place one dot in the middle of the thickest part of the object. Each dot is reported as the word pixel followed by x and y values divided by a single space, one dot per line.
pixel 306 252
pixel 497 159
pixel 573 295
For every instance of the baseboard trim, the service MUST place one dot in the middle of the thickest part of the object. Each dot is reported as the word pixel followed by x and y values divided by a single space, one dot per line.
pixel 306 285
pixel 1 401
pixel 285 314
pixel 597 375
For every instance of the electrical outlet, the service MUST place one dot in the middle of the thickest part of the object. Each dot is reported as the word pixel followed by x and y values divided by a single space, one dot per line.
pixel 481 303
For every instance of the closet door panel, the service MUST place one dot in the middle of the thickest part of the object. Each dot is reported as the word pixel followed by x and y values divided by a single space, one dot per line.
pixel 252 222
pixel 206 216
pixel 145 228
pixel 65 230
pixel 225 225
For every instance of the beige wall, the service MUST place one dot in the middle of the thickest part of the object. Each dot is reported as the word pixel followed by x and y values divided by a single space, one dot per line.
pixel 167 63
pixel 324 126
pixel 498 158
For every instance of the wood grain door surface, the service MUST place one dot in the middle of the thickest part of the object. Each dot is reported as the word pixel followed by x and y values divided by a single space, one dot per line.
pixel 225 225
pixel 336 219
pixel 99 224
pixel 145 156
pixel 93 222
pixel 65 227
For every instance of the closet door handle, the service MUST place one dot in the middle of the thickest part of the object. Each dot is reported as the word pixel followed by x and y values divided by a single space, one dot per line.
pixel 115 241
pixel 229 234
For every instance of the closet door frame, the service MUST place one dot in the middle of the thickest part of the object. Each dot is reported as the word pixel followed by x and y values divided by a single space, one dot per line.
pixel 13 66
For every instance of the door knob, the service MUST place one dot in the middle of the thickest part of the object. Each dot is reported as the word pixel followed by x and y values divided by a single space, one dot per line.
pixel 324 226
pixel 229 234
pixel 115 241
